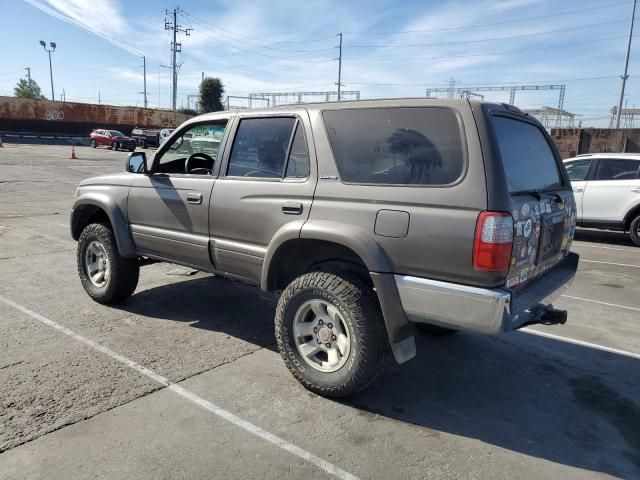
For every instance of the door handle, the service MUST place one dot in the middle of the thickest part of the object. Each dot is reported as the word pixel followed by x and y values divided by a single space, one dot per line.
pixel 578 189
pixel 194 198
pixel 636 190
pixel 292 208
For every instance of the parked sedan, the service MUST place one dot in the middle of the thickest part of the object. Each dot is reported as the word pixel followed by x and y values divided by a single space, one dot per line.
pixel 606 187
pixel 112 138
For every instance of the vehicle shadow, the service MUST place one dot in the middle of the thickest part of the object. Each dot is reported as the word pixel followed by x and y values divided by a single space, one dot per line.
pixel 211 303
pixel 603 236
pixel 552 400
pixel 549 399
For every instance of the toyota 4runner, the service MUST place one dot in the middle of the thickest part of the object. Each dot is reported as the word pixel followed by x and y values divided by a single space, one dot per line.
pixel 365 219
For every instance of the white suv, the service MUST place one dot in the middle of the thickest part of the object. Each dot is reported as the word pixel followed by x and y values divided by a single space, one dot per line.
pixel 606 187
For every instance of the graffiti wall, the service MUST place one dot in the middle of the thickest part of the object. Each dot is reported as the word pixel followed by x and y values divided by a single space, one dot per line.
pixel 44 116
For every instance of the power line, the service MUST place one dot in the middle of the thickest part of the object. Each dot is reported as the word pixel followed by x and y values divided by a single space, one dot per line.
pixel 480 25
pixel 423 84
pixel 509 37
pixel 267 42
pixel 486 54
pixel 236 47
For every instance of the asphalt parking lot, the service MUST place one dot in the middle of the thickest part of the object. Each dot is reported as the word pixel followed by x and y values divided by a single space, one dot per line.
pixel 184 381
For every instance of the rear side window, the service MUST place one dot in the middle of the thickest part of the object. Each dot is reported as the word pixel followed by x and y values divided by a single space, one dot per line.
pixel 396 146
pixel 260 147
pixel 528 160
pixel 577 169
pixel 617 169
pixel 298 166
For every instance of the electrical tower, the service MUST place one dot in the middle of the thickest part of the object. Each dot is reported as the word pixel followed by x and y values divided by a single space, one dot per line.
pixel 172 24
pixel 626 120
pixel 287 98
pixel 467 92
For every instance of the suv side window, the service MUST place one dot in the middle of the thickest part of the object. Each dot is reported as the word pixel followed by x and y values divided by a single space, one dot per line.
pixel 260 147
pixel 298 165
pixel 617 169
pixel 396 146
pixel 578 169
pixel 201 139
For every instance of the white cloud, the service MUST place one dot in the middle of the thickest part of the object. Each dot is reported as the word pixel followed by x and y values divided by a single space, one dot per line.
pixel 100 17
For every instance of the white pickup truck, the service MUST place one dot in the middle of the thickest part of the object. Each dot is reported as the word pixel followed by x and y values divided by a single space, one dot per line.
pixel 606 187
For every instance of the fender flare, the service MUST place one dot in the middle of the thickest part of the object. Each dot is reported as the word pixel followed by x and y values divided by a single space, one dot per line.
pixel 399 329
pixel 117 217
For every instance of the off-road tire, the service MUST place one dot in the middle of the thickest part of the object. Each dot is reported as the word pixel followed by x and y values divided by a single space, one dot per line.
pixel 434 330
pixel 124 272
pixel 93 143
pixel 633 231
pixel 358 305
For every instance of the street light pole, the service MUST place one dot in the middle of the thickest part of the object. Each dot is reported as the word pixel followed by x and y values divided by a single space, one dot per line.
pixel 52 48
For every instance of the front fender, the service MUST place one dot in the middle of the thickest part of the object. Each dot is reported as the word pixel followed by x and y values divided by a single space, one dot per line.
pixel 117 217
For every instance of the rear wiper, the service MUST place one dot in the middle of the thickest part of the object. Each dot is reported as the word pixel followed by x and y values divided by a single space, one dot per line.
pixel 534 191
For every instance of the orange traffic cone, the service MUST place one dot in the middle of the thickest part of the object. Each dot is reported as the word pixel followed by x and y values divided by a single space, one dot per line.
pixel 1 145
pixel 73 153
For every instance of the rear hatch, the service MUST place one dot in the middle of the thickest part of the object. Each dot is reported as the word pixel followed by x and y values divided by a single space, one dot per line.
pixel 542 203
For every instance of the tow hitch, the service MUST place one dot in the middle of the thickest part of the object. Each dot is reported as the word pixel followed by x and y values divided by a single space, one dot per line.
pixel 553 316
pixel 547 316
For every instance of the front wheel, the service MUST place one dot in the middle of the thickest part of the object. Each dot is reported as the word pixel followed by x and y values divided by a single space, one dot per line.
pixel 93 143
pixel 331 333
pixel 634 231
pixel 106 276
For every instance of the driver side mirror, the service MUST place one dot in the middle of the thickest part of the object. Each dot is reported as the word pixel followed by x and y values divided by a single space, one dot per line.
pixel 136 162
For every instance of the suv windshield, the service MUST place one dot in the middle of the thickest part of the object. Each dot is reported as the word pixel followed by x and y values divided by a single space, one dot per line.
pixel 116 133
pixel 528 160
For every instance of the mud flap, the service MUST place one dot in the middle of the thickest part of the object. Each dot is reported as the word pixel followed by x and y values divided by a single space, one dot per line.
pixel 399 329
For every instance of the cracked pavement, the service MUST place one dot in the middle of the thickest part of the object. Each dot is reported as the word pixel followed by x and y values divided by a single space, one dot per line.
pixel 518 406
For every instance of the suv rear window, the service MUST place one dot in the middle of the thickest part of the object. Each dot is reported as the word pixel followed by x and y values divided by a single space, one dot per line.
pixel 528 160
pixel 396 146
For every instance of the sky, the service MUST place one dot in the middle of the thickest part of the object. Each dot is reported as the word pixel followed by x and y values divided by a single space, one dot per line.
pixel 391 48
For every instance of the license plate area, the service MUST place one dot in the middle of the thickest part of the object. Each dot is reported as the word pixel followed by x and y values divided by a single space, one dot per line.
pixel 552 231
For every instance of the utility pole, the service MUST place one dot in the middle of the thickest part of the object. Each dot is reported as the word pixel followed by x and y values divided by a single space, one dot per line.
pixel 98 97
pixel 63 96
pixel 175 48
pixel 202 78
pixel 626 68
pixel 339 66
pixel 144 73
pixel 28 69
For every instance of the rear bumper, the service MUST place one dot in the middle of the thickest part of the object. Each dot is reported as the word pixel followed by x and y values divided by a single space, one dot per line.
pixel 482 310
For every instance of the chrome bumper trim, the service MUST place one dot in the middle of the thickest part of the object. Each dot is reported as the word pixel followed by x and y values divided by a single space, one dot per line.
pixel 482 310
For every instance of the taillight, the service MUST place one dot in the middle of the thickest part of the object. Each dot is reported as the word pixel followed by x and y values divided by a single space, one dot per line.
pixel 493 241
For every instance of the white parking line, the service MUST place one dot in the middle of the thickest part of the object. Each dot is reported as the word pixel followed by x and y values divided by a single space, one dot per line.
pixel 577 244
pixel 582 343
pixel 602 303
pixel 610 263
pixel 187 394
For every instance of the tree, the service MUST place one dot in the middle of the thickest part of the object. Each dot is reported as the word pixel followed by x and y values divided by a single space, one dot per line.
pixel 27 89
pixel 211 90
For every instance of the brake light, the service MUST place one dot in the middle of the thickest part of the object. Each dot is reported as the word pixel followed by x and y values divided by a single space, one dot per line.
pixel 493 241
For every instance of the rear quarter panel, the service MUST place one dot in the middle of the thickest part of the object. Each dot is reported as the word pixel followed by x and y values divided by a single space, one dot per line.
pixel 439 239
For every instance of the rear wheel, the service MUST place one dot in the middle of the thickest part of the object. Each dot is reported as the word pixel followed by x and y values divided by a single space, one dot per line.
pixel 634 231
pixel 331 333
pixel 106 276
pixel 114 146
